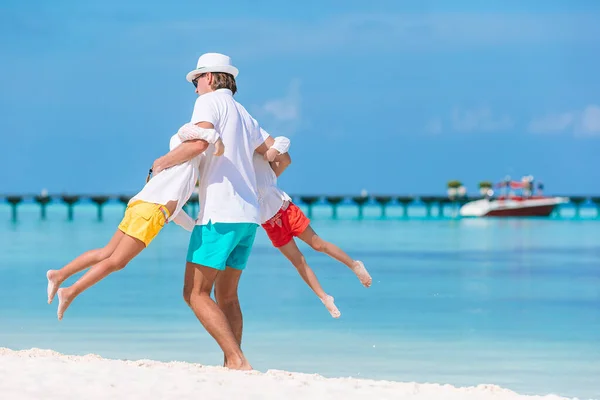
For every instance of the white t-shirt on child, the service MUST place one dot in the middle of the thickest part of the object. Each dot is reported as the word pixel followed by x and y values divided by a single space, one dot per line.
pixel 270 196
pixel 174 183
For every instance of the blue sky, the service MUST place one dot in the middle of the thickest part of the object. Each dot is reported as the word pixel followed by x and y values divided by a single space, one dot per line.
pixel 394 97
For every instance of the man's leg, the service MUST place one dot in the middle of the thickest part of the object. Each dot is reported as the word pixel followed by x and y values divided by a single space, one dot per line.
pixel 199 281
pixel 226 294
pixel 226 287
pixel 313 240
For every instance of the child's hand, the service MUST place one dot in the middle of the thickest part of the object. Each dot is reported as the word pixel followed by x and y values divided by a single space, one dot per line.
pixel 271 154
pixel 219 147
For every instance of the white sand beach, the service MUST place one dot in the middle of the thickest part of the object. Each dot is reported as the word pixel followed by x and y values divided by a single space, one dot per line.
pixel 46 374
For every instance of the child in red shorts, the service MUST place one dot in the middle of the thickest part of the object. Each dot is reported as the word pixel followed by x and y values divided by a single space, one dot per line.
pixel 283 220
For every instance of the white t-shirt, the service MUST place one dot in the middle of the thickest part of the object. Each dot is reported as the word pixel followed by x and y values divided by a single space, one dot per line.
pixel 227 190
pixel 174 183
pixel 270 196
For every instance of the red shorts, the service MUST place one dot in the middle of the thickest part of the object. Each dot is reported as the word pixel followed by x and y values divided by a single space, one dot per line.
pixel 287 223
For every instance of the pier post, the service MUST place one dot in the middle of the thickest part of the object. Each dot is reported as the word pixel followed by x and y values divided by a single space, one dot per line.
pixel 405 201
pixel 443 201
pixel 124 200
pixel 70 201
pixel 383 201
pixel 43 201
pixel 334 201
pixel 428 201
pixel 360 201
pixel 596 201
pixel 577 202
pixel 309 201
pixel 99 201
pixel 14 203
pixel 557 210
pixel 190 205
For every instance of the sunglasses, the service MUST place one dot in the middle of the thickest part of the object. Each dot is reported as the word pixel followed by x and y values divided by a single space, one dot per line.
pixel 195 80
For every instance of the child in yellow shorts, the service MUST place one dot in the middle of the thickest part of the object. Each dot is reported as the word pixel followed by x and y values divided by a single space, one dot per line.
pixel 144 220
pixel 160 201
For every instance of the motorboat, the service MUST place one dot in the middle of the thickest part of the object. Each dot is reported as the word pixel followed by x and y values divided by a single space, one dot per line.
pixel 511 204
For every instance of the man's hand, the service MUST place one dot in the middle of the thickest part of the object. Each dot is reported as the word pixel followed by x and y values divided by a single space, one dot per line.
pixel 158 166
pixel 271 154
pixel 219 147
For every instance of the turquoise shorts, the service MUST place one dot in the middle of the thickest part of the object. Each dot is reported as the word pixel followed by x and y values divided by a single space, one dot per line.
pixel 221 245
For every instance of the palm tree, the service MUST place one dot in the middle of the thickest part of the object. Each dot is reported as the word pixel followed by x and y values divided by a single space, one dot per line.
pixel 456 189
pixel 485 187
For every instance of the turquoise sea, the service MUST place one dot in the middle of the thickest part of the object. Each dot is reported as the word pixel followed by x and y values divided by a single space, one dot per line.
pixel 512 302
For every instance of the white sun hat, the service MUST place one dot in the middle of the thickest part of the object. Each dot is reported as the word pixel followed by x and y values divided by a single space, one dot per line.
pixel 212 62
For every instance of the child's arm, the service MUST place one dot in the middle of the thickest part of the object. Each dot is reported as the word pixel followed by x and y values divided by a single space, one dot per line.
pixel 184 220
pixel 191 131
pixel 279 166
pixel 278 155
pixel 277 148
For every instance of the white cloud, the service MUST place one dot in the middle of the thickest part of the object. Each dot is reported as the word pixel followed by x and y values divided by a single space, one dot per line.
pixel 479 120
pixel 590 121
pixel 584 122
pixel 552 123
pixel 282 116
pixel 434 126
pixel 475 120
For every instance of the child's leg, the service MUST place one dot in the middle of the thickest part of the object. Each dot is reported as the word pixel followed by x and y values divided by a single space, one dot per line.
pixel 292 253
pixel 85 260
pixel 313 240
pixel 126 250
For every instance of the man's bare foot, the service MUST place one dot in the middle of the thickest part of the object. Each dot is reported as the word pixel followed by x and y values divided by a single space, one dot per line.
pixel 333 310
pixel 241 364
pixel 64 301
pixel 53 284
pixel 242 367
pixel 362 273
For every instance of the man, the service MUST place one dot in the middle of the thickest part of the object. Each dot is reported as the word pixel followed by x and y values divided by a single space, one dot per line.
pixel 229 213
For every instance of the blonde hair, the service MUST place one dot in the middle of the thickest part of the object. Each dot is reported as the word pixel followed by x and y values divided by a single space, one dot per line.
pixel 222 80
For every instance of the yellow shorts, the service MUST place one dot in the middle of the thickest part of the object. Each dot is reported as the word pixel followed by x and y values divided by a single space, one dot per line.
pixel 144 220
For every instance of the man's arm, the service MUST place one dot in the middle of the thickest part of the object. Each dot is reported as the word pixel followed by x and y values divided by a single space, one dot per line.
pixel 182 153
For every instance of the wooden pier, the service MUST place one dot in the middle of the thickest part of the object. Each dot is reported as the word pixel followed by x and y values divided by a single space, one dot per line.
pixel 70 201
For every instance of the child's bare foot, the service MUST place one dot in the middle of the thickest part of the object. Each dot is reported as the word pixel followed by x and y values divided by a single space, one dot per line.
pixel 362 273
pixel 53 284
pixel 333 310
pixel 64 301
